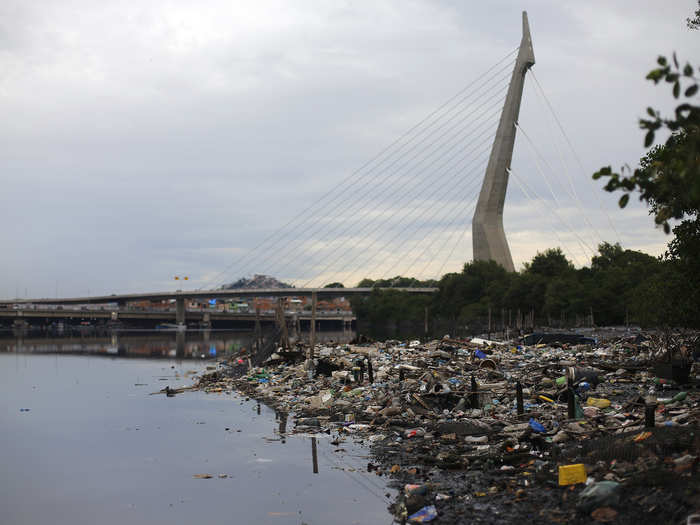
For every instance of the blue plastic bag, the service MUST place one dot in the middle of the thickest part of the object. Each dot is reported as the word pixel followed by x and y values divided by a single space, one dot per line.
pixel 536 426
pixel 424 515
pixel 480 354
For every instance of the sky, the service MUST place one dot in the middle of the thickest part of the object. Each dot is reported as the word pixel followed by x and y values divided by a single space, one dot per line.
pixel 146 140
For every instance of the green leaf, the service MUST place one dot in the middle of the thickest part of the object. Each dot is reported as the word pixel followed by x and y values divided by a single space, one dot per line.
pixel 691 90
pixel 688 70
pixel 650 112
pixel 623 200
pixel 661 60
pixel 675 60
pixel 655 75
pixel 676 89
pixel 649 138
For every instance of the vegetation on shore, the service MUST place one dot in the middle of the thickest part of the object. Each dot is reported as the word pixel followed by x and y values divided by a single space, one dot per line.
pixel 620 286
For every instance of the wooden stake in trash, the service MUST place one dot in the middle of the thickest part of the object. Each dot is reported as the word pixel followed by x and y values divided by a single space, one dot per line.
pixel 314 455
pixel 401 374
pixel 489 322
pixel 649 415
pixel 571 400
pixel 425 327
pixel 258 332
pixel 282 324
pixel 474 399
pixel 519 397
pixel 370 372
pixel 312 343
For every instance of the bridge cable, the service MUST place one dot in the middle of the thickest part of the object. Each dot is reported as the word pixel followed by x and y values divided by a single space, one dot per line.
pixel 415 177
pixel 549 186
pixel 455 216
pixel 407 223
pixel 571 190
pixel 421 215
pixel 436 188
pixel 403 197
pixel 527 191
pixel 371 189
pixel 303 213
pixel 445 212
pixel 576 156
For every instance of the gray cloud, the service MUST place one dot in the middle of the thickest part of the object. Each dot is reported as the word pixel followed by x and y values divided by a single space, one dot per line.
pixel 142 141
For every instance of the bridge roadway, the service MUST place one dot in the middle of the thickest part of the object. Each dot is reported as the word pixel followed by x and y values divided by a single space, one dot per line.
pixel 214 294
pixel 180 297
pixel 164 315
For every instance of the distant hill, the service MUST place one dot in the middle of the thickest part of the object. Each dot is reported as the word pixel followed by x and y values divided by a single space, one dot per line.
pixel 257 281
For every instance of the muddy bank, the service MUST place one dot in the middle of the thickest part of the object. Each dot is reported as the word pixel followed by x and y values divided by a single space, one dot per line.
pixel 446 426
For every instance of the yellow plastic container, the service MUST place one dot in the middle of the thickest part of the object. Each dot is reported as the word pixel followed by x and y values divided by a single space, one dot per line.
pixel 572 474
pixel 597 402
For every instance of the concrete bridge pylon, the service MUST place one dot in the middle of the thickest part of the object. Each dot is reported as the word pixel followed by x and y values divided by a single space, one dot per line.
pixel 488 237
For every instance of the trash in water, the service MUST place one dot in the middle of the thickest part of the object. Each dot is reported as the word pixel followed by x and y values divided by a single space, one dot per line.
pixel 537 426
pixel 572 474
pixel 600 494
pixel 597 402
pixel 424 515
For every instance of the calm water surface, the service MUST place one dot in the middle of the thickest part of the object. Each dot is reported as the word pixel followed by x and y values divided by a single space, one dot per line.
pixel 95 447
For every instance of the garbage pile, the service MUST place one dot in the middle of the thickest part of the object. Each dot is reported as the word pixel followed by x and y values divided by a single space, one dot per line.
pixel 486 431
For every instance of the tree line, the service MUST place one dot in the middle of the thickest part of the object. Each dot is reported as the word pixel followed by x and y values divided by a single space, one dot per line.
pixel 621 286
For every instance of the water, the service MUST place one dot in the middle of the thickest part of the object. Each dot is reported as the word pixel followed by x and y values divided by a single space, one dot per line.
pixel 95 447
pixel 144 343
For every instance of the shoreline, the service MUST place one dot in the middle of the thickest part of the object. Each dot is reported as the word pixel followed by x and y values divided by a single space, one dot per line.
pixel 455 453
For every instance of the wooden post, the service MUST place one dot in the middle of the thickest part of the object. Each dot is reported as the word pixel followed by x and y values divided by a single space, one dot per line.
pixel 425 327
pixel 312 342
pixel 570 396
pixel 370 372
pixel 314 456
pixel 649 414
pixel 258 331
pixel 519 397
pixel 489 322
pixel 282 323
pixel 474 398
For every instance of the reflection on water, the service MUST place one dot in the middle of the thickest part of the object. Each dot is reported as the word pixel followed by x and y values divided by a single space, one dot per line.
pixel 192 344
pixel 83 441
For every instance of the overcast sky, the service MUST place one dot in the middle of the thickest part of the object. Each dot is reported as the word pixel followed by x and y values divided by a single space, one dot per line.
pixel 143 140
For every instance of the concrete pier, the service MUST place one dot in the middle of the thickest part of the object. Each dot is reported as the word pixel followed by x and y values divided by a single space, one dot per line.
pixel 180 310
pixel 488 237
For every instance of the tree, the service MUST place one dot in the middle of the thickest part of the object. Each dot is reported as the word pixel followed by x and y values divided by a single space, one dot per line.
pixel 694 23
pixel 334 285
pixel 668 176
pixel 668 180
pixel 551 263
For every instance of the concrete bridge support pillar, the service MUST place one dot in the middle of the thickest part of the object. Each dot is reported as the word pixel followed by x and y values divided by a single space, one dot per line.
pixel 488 237
pixel 180 310
pixel 180 344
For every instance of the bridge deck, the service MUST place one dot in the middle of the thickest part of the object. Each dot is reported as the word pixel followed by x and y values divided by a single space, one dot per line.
pixel 215 294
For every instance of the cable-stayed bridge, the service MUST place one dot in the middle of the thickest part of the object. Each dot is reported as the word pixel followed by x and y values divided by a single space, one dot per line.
pixel 410 209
